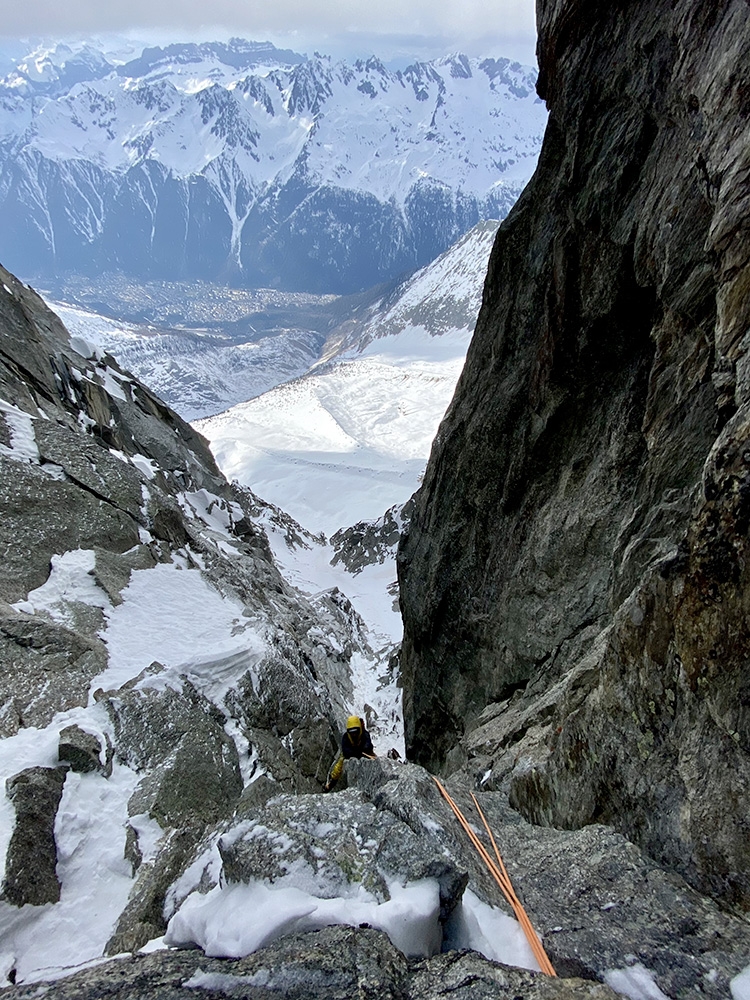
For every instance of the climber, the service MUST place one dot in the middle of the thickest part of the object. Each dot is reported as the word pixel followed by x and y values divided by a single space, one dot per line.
pixel 355 742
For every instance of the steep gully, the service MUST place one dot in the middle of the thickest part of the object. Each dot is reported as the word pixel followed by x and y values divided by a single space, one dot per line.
pixel 573 594
pixel 167 699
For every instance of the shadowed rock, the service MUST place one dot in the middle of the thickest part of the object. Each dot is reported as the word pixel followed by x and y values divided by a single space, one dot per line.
pixel 336 963
pixel 580 542
pixel 82 751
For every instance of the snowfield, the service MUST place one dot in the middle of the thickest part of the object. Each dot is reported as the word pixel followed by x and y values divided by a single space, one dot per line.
pixel 341 445
pixel 352 437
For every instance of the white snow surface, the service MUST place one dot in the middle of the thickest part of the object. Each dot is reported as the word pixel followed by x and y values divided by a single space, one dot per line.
pixel 740 985
pixel 40 941
pixel 352 437
pixel 23 446
pixel 172 615
pixel 233 921
pixel 342 445
pixel 491 932
pixel 70 580
pixel 636 982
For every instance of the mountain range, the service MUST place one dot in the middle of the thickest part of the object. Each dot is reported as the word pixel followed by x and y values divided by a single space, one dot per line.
pixel 244 163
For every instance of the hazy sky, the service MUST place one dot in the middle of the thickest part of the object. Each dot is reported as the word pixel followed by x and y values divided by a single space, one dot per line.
pixel 341 27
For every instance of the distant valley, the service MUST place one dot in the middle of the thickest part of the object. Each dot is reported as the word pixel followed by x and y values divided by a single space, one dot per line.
pixel 251 166
pixel 331 403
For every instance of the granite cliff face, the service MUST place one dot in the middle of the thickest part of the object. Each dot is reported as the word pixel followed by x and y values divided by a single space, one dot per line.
pixel 575 580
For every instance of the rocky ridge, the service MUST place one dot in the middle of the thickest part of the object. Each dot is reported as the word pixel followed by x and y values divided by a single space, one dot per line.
pixel 574 579
pixel 103 491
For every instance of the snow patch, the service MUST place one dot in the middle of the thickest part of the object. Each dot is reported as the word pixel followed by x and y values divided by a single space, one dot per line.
pixel 41 941
pixel 171 614
pixel 235 920
pixel 636 982
pixel 740 985
pixel 491 932
pixel 70 580
pixel 147 466
pixel 23 446
pixel 87 350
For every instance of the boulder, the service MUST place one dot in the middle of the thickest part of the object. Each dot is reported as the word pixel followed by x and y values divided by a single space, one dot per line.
pixel 112 569
pixel 30 865
pixel 41 516
pixel 47 669
pixel 594 897
pixel 332 846
pixel 143 919
pixel 199 780
pixel 468 976
pixel 82 751
pixel 149 724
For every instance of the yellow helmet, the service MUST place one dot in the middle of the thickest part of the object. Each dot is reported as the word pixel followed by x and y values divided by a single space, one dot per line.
pixel 353 722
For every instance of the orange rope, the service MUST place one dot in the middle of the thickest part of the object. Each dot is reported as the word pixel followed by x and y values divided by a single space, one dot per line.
pixel 502 878
pixel 515 901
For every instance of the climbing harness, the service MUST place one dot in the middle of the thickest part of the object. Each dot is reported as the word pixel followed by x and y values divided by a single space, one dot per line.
pixel 500 875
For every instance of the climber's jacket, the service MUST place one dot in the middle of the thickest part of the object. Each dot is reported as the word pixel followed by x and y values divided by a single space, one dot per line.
pixel 355 742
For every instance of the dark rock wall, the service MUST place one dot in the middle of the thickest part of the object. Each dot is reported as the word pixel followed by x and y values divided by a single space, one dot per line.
pixel 587 491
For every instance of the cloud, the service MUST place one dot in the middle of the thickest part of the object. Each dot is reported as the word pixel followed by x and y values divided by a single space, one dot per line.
pixel 471 24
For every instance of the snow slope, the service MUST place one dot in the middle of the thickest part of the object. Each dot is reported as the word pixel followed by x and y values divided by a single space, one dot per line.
pixel 352 437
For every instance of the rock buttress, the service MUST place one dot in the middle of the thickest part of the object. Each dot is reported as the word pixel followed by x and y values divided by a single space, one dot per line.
pixel 586 497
